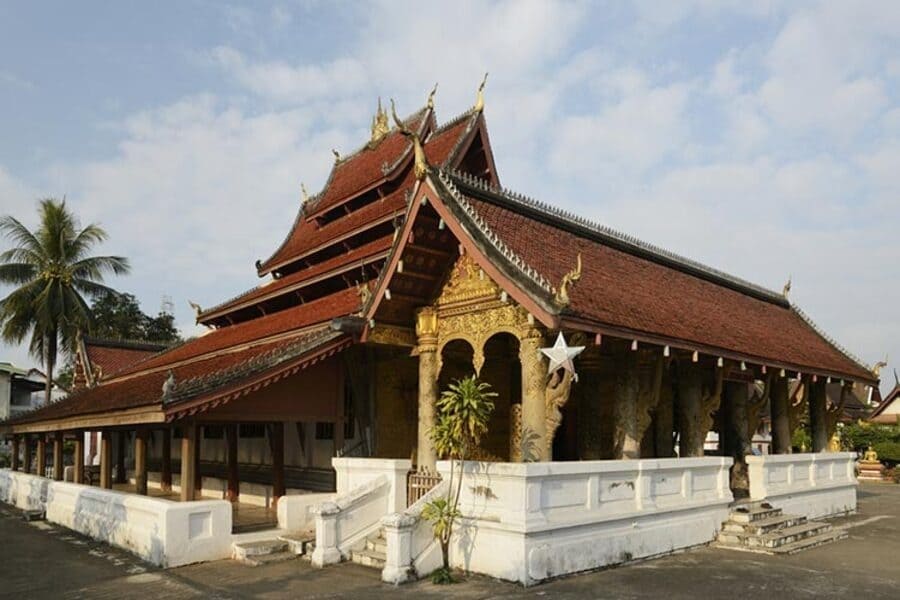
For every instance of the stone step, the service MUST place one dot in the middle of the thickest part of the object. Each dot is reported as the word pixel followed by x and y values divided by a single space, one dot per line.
pixel 266 559
pixel 299 543
pixel 762 526
pixel 377 544
pixel 753 511
pixel 788 535
pixel 247 550
pixel 368 558
pixel 811 542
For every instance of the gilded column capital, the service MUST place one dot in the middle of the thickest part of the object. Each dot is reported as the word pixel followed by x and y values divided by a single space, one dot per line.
pixel 427 329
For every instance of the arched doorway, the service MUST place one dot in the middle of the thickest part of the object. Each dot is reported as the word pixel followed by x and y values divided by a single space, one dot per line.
pixel 503 372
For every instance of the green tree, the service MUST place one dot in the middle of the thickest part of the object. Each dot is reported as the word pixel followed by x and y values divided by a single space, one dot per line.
pixel 463 413
pixel 119 316
pixel 52 271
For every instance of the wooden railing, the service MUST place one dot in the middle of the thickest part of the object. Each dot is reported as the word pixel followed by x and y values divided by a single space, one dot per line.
pixel 419 483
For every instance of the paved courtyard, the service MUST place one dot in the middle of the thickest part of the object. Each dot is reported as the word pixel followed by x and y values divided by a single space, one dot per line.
pixel 45 561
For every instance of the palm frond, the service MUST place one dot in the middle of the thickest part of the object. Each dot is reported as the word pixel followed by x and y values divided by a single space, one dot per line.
pixel 12 228
pixel 85 240
pixel 96 267
pixel 17 273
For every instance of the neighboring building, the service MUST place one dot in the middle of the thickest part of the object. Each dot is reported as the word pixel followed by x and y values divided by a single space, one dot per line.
pixel 21 390
pixel 97 359
pixel 888 411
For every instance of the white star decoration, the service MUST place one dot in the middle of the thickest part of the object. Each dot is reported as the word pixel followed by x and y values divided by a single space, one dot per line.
pixel 561 355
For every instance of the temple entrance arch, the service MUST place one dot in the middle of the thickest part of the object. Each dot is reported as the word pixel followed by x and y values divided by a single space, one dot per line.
pixel 503 371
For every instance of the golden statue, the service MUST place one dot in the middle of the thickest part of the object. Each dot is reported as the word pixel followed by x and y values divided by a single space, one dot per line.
pixel 870 455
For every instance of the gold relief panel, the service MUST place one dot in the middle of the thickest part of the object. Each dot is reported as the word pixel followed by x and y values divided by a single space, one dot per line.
pixel 393 336
pixel 467 283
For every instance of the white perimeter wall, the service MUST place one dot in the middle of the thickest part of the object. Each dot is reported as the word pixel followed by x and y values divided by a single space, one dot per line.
pixel 528 522
pixel 162 532
pixel 814 485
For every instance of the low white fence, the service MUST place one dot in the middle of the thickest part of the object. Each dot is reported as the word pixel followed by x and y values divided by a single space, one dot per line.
pixel 162 532
pixel 814 485
pixel 528 522
pixel 367 490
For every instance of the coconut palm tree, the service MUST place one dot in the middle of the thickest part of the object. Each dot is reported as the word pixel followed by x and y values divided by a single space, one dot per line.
pixel 52 271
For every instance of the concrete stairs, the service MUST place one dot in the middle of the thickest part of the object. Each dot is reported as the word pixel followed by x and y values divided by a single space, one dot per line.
pixel 760 527
pixel 373 553
pixel 272 547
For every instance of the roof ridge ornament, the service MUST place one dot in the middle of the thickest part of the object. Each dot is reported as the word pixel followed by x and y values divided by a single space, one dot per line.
pixel 380 126
pixel 786 290
pixel 304 194
pixel 876 370
pixel 562 295
pixel 430 103
pixel 421 162
pixel 479 95
pixel 337 155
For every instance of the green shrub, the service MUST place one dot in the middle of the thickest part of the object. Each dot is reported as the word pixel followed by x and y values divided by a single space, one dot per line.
pixel 888 452
pixel 859 436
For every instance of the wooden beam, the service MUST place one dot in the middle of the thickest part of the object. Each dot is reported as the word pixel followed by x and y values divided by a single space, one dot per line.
pixel 115 419
pixel 232 492
pixel 188 461
pixel 140 462
pixel 42 455
pixel 429 250
pixel 58 456
pixel 106 460
pixel 165 477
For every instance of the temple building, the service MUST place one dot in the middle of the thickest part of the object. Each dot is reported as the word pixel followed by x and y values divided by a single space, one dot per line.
pixel 412 267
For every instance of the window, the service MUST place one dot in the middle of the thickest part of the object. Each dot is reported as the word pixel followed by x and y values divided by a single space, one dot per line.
pixel 213 432
pixel 252 430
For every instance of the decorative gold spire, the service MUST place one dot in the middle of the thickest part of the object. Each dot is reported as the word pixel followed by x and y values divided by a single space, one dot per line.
pixel 431 96
pixel 786 290
pixel 562 296
pixel 421 162
pixel 479 96
pixel 303 193
pixel 380 126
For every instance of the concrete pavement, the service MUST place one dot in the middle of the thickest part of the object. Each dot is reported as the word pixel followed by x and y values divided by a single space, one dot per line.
pixel 45 561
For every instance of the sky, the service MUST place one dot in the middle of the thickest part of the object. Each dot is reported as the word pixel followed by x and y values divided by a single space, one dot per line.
pixel 761 138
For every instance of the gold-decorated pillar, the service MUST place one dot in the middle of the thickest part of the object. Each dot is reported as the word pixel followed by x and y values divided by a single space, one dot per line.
pixel 534 374
pixel 426 332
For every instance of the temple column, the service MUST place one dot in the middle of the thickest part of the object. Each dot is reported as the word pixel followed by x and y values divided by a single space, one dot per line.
pixel 106 460
pixel 817 419
pixel 188 461
pixel 232 492
pixel 198 476
pixel 628 438
pixel 426 330
pixel 276 442
pixel 664 420
pixel 121 438
pixel 535 445
pixel 781 421
pixel 26 453
pixel 140 462
pixel 58 456
pixel 42 455
pixel 696 408
pixel 738 446
pixel 78 458
pixel 15 453
pixel 165 475
pixel 589 412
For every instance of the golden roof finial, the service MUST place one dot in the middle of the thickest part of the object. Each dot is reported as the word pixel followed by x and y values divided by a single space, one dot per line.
pixel 421 162
pixel 479 97
pixel 380 126
pixel 303 193
pixel 431 96
pixel 562 296
pixel 876 370
pixel 786 290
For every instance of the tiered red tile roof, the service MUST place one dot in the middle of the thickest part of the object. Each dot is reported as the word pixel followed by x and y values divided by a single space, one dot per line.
pixel 631 286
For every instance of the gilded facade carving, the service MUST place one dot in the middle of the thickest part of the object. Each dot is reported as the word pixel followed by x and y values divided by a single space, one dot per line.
pixel 393 336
